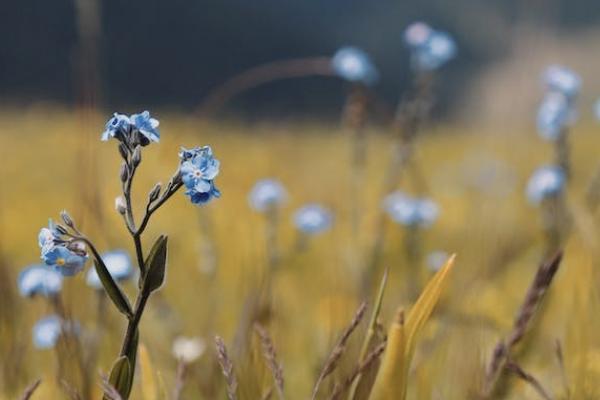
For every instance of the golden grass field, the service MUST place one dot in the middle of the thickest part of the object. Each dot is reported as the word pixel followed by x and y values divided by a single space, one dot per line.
pixel 53 160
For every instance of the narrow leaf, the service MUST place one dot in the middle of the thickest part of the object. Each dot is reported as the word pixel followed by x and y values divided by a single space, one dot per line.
pixel 155 265
pixel 112 289
pixel 119 377
pixel 147 378
pixel 131 354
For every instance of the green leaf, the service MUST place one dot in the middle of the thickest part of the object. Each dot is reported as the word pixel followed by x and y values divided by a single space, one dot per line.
pixel 112 289
pixel 131 354
pixel 119 377
pixel 155 265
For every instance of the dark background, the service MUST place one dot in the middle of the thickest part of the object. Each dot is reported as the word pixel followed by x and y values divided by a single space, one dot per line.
pixel 172 53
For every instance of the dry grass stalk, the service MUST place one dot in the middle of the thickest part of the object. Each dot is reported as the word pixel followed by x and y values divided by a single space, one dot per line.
pixel 30 390
pixel 361 368
pixel 561 365
pixel 339 348
pixel 179 380
pixel 270 356
pixel 267 395
pixel 227 368
pixel 533 298
pixel 109 390
pixel 69 390
pixel 527 377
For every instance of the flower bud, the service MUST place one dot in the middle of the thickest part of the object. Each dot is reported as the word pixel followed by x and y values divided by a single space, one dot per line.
pixel 61 229
pixel 123 150
pixel 124 173
pixel 120 205
pixel 153 195
pixel 67 218
pixel 136 158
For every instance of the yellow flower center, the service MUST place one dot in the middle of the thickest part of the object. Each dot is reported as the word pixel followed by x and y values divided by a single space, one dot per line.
pixel 60 262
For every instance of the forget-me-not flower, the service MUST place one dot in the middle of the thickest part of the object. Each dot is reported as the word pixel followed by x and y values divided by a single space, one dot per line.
pixel 116 127
pixel 47 331
pixel 562 80
pixel 134 129
pixel 146 126
pixel 354 65
pixel 312 219
pixel 198 170
pixel 430 49
pixel 118 264
pixel 554 115
pixel 266 194
pixel 39 280
pixel 546 182
pixel 409 211
pixel 66 257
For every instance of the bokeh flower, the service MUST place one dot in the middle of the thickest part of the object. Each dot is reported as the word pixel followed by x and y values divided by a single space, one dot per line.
pixel 436 260
pixel 116 127
pixel 562 80
pixel 188 350
pixel 354 65
pixel 430 49
pixel 410 211
pixel 146 126
pixel 118 264
pixel 39 280
pixel 554 115
pixel 266 194
pixel 198 170
pixel 312 219
pixel 546 182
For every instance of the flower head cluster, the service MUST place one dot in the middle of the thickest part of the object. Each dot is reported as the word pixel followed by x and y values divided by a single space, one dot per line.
pixel 48 330
pixel 557 109
pixel 118 264
pixel 198 170
pixel 430 49
pixel 39 280
pixel 312 219
pixel 354 65
pixel 134 129
pixel 267 194
pixel 410 211
pixel 66 256
pixel 546 182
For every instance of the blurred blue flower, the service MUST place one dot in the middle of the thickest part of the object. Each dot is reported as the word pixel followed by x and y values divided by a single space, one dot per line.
pixel 562 80
pixel 147 126
pixel 265 194
pixel 430 49
pixel 116 127
pixel 118 264
pixel 546 182
pixel 47 331
pixel 198 170
pixel 312 219
pixel 354 65
pixel 39 280
pixel 409 211
pixel 554 115
pixel 436 260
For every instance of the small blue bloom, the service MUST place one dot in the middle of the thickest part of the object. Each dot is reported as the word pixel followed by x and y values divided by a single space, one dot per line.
pixel 147 126
pixel 48 330
pixel 562 80
pixel 409 211
pixel 116 127
pixel 198 170
pixel 118 264
pixel 546 182
pixel 265 194
pixel 67 261
pixel 554 115
pixel 312 219
pixel 354 65
pixel 430 49
pixel 39 280
pixel 417 34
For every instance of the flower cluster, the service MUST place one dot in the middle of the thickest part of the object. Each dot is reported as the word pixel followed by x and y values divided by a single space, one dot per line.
pixel 135 129
pixel 354 65
pixel 39 280
pixel 118 264
pixel 410 211
pixel 430 49
pixel 66 256
pixel 266 194
pixel 198 170
pixel 546 182
pixel 312 218
pixel 557 109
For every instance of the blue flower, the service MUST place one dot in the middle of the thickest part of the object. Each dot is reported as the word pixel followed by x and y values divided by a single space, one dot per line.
pixel 118 264
pixel 546 182
pixel 430 49
pixel 409 211
pixel 48 330
pixel 312 219
pixel 116 127
pixel 147 126
pixel 39 280
pixel 554 115
pixel 354 65
pixel 562 80
pixel 265 194
pixel 66 257
pixel 198 170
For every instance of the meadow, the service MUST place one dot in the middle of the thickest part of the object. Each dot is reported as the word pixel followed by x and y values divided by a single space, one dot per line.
pixel 52 159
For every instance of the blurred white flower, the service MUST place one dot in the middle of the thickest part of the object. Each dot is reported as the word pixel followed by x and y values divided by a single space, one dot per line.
pixel 187 349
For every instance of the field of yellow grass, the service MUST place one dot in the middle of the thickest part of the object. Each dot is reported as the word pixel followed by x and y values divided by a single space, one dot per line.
pixel 53 160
